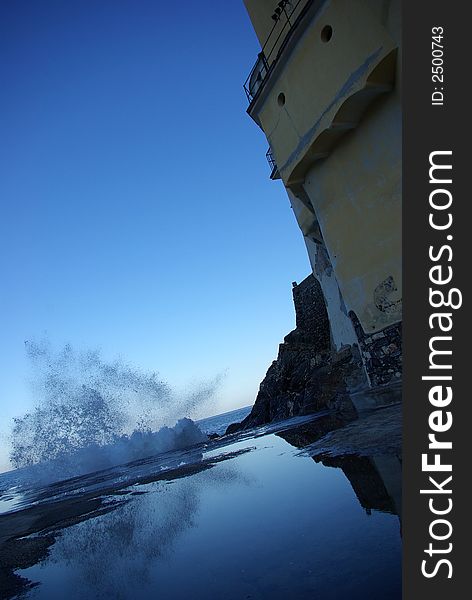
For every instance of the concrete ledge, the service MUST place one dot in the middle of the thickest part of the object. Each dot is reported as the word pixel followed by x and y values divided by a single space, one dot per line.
pixel 377 397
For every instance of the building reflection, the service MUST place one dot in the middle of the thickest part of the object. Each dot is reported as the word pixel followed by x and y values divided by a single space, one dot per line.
pixel 375 477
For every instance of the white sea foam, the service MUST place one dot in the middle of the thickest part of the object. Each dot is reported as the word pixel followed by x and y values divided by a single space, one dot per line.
pixel 91 415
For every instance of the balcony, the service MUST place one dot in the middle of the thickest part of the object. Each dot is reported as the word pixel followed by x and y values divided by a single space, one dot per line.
pixel 274 173
pixel 321 67
pixel 286 17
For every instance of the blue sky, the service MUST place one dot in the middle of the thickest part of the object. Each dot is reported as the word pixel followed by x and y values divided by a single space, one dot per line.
pixel 137 212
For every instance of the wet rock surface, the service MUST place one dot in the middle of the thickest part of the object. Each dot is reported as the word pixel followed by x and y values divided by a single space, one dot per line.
pixel 375 433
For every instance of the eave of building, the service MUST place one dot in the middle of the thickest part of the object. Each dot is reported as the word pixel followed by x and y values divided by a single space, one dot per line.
pixel 374 77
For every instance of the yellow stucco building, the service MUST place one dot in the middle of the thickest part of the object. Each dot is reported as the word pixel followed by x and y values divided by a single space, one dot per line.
pixel 325 90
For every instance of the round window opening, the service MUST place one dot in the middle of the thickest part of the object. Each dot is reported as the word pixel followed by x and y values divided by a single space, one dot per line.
pixel 281 99
pixel 326 33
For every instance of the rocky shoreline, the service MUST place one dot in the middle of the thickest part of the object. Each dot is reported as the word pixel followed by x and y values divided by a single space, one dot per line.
pixel 308 374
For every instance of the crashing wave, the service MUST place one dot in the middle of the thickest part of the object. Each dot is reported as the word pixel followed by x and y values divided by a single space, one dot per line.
pixel 91 415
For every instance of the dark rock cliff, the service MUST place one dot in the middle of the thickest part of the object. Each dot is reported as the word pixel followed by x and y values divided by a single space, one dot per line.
pixel 307 375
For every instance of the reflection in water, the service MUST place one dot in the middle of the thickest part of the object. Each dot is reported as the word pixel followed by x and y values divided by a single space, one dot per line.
pixel 376 480
pixel 90 502
pixel 107 557
pixel 256 518
pixel 374 476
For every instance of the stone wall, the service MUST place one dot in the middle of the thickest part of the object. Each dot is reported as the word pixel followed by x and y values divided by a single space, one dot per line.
pixel 311 317
pixel 382 353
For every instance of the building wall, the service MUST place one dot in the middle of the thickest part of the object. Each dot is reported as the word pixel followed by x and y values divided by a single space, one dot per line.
pixel 356 195
pixel 342 330
pixel 331 111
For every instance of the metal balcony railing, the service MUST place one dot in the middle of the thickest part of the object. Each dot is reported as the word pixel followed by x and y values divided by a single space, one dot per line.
pixel 274 174
pixel 273 46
